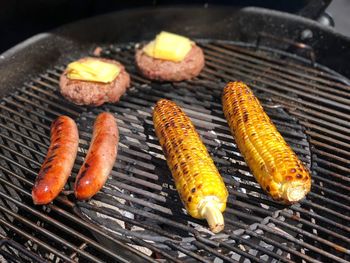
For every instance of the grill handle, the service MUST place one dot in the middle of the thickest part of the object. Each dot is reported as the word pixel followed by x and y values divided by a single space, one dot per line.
pixel 314 8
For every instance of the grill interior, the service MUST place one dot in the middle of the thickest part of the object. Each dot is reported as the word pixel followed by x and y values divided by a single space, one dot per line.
pixel 138 214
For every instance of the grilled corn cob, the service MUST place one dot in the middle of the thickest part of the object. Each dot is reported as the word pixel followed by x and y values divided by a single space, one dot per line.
pixel 274 164
pixel 196 177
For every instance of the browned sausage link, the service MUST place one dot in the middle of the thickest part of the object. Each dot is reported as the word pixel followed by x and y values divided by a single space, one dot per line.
pixel 100 158
pixel 59 161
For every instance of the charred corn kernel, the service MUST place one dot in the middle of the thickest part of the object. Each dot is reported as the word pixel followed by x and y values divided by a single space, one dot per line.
pixel 168 46
pixel 274 164
pixel 92 70
pixel 196 177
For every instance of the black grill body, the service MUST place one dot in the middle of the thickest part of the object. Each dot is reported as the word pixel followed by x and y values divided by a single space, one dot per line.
pixel 137 216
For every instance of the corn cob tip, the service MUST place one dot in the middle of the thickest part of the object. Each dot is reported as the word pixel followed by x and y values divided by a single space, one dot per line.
pixel 294 192
pixel 210 210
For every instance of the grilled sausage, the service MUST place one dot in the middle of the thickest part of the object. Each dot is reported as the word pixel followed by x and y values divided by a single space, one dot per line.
pixel 196 177
pixel 274 164
pixel 100 158
pixel 59 161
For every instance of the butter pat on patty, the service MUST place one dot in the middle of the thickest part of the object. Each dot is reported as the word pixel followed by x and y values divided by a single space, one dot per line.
pixel 93 70
pixel 168 46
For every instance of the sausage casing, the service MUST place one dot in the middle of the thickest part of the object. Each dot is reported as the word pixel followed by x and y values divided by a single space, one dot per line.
pixel 59 160
pixel 274 164
pixel 100 158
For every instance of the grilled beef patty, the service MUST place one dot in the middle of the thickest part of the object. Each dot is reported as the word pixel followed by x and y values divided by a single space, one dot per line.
pixel 165 70
pixel 95 93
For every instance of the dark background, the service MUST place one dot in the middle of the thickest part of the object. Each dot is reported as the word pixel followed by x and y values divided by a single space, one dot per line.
pixel 20 19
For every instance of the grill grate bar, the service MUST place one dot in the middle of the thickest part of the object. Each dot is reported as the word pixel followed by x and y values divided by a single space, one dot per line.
pixel 112 213
pixel 276 73
pixel 156 250
pixel 315 226
pixel 24 117
pixel 45 84
pixel 50 103
pixel 315 135
pixel 283 235
pixel 307 234
pixel 14 245
pixel 332 156
pixel 35 104
pixel 317 124
pixel 13 131
pixel 281 89
pixel 22 145
pixel 29 110
pixel 21 156
pixel 214 252
pixel 37 241
pixel 16 164
pixel 9 120
pixel 331 166
pixel 46 233
pixel 313 214
pixel 41 90
pixel 52 80
pixel 254 258
pixel 331 113
pixel 73 108
pixel 322 189
pixel 331 148
pixel 187 252
pixel 270 78
pixel 321 119
pixel 276 244
pixel 288 64
pixel 334 184
pixel 15 175
pixel 325 210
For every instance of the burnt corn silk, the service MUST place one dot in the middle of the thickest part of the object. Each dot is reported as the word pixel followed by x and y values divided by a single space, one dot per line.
pixel 273 163
pixel 196 177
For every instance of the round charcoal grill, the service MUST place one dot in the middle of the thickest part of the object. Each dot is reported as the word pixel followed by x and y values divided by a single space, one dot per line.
pixel 138 216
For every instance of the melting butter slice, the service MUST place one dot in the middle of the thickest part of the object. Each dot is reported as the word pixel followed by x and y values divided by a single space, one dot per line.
pixel 168 46
pixel 93 70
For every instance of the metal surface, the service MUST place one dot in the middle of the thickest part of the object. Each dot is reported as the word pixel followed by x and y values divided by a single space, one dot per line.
pixel 36 54
pixel 138 212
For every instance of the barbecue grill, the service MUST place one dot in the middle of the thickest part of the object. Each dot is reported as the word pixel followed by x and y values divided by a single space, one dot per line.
pixel 137 217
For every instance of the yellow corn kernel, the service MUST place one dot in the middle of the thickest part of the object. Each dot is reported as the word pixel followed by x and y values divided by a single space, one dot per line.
pixel 196 177
pixel 273 163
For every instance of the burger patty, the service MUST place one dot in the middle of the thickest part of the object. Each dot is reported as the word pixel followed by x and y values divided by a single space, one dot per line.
pixel 95 93
pixel 165 70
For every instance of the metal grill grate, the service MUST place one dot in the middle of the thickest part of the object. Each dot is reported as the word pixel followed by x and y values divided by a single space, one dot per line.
pixel 138 215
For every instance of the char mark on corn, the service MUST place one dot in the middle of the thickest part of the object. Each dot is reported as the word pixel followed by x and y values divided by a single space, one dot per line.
pixel 272 161
pixel 195 174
